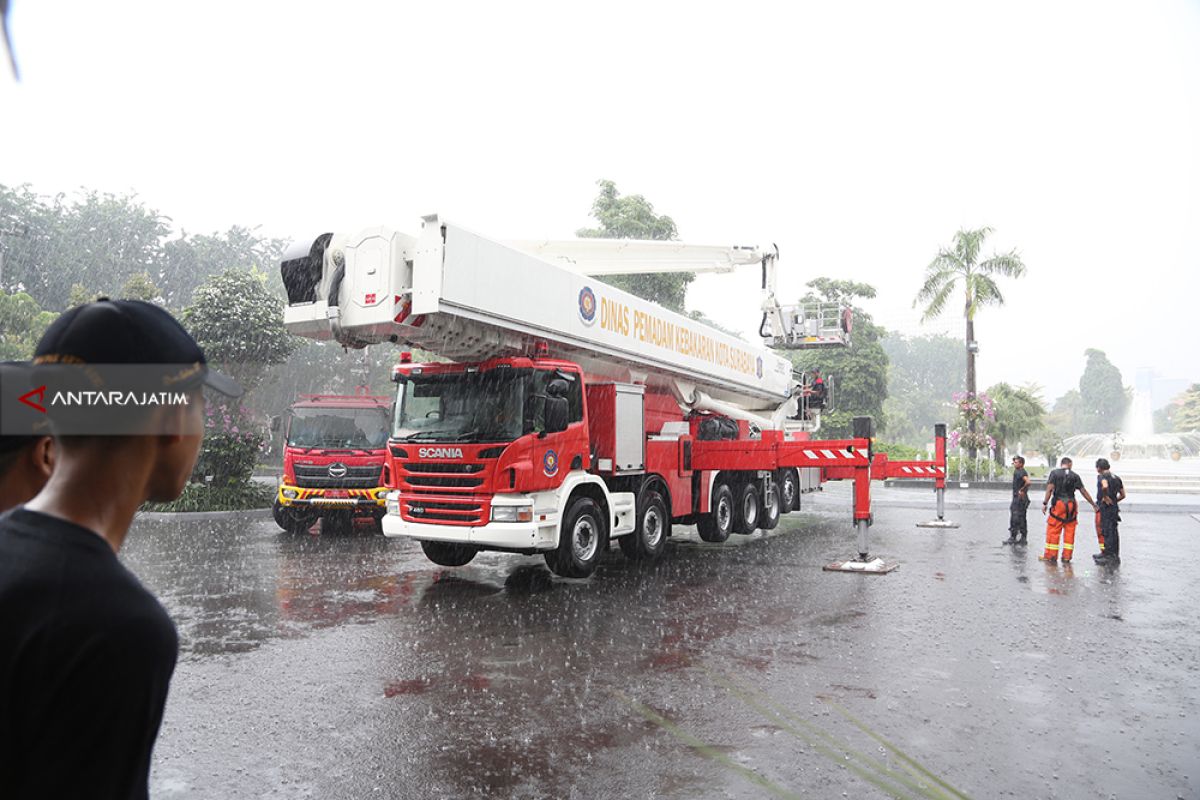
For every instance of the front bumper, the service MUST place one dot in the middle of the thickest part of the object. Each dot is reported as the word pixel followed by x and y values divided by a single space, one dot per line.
pixel 354 499
pixel 541 534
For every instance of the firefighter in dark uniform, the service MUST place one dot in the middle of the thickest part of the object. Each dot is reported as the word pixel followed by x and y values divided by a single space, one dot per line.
pixel 1018 525
pixel 1063 515
pixel 1110 491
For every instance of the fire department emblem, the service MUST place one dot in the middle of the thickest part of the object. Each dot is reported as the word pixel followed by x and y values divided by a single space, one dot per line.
pixel 550 463
pixel 587 305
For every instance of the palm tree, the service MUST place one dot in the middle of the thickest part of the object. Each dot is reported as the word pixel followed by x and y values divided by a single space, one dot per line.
pixel 960 263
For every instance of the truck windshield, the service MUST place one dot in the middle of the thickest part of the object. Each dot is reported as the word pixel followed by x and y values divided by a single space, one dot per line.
pixel 492 406
pixel 358 428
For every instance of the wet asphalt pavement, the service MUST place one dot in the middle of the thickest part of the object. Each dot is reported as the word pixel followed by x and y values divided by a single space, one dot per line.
pixel 349 666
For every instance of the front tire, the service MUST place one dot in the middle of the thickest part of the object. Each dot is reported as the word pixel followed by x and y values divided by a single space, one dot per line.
pixel 747 509
pixel 295 521
pixel 582 539
pixel 716 525
pixel 447 554
pixel 649 539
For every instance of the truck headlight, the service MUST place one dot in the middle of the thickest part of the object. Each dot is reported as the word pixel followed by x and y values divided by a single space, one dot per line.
pixel 512 513
pixel 393 503
pixel 290 494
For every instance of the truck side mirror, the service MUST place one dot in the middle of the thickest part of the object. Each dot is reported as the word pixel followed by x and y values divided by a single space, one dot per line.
pixel 275 422
pixel 557 414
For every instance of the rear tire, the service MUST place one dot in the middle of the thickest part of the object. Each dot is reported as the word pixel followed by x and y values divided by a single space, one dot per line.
pixel 771 508
pixel 649 539
pixel 747 509
pixel 582 539
pixel 716 525
pixel 447 554
pixel 789 490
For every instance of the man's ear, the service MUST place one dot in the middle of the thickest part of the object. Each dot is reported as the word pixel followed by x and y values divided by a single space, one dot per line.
pixel 44 453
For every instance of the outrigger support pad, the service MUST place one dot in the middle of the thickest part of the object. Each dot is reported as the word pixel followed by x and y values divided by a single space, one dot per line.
pixel 941 521
pixel 873 566
pixel 864 562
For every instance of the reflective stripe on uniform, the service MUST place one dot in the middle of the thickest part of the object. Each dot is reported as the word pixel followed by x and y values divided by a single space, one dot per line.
pixel 1068 546
pixel 1051 546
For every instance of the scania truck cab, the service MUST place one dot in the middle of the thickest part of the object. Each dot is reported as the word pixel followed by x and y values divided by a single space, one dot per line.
pixel 334 458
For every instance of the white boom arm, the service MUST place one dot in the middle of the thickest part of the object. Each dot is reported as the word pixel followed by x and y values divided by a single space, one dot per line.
pixel 469 298
pixel 633 256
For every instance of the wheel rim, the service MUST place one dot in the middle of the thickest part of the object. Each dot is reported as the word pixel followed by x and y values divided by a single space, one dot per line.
pixel 771 505
pixel 724 513
pixel 584 539
pixel 652 528
pixel 749 509
pixel 789 491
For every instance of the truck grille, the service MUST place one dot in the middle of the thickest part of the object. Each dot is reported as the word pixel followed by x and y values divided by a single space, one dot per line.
pixel 438 478
pixel 466 513
pixel 317 477
pixel 443 491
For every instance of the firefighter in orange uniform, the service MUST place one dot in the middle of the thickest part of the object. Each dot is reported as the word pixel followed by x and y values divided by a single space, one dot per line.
pixel 1063 515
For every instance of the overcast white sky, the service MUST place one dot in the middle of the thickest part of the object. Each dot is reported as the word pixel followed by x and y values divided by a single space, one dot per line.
pixel 858 136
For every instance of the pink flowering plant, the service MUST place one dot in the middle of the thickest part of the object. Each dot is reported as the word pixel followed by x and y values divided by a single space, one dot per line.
pixel 977 408
pixel 231 444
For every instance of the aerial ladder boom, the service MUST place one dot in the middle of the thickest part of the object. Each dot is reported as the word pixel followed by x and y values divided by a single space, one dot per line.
pixel 468 298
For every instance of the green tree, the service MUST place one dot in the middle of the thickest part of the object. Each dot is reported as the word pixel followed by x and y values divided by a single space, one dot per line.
pixel 1019 414
pixel 1187 415
pixel 923 373
pixel 139 286
pixel 239 323
pixel 79 295
pixel 101 241
pixel 1065 415
pixel 959 266
pixel 633 217
pixel 858 373
pixel 22 323
pixel 1102 396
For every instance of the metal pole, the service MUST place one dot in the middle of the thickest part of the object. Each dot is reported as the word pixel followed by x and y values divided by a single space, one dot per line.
pixel 941 504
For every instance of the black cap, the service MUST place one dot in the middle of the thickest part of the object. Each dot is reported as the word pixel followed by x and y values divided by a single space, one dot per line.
pixel 129 332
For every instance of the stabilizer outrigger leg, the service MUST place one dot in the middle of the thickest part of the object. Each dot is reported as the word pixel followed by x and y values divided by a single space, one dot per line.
pixel 939 457
pixel 863 429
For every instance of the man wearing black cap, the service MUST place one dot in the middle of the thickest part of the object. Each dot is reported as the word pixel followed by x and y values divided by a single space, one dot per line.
pixel 86 653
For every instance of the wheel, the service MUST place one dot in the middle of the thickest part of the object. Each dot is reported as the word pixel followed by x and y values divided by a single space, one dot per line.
pixel 789 490
pixel 295 520
pixel 279 512
pixel 649 539
pixel 377 524
pixel 718 524
pixel 581 541
pixel 771 508
pixel 747 509
pixel 448 554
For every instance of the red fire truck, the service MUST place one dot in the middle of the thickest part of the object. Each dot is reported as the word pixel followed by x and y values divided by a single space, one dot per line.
pixel 334 457
pixel 573 413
